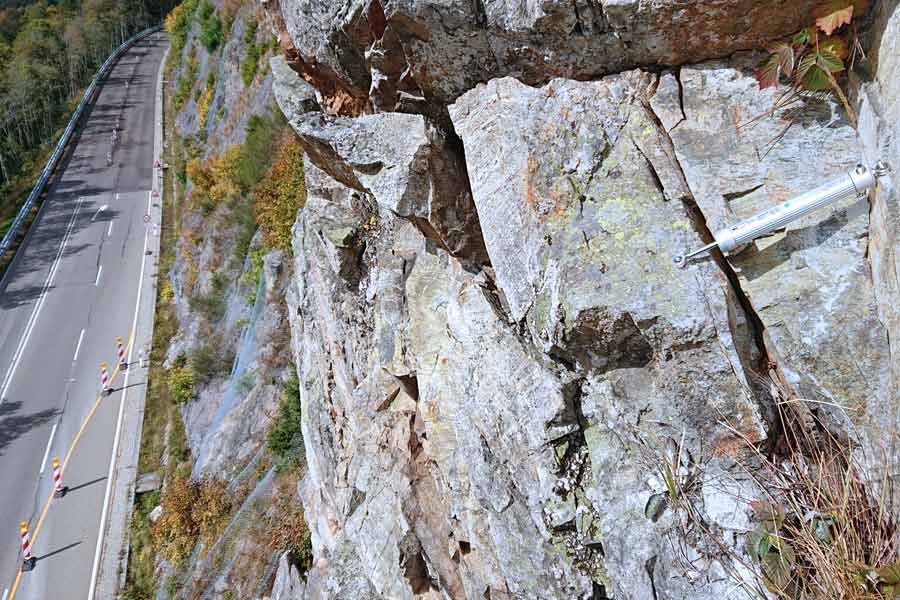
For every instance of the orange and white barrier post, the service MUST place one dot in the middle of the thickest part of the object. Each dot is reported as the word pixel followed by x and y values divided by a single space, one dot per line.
pixel 28 561
pixel 60 489
pixel 104 377
pixel 120 350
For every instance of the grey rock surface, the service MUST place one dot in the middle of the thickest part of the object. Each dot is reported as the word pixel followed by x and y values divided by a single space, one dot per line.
pixel 288 584
pixel 148 482
pixel 811 284
pixel 379 50
pixel 501 371
pixel 156 514
pixel 879 132
pixel 404 161
pixel 508 424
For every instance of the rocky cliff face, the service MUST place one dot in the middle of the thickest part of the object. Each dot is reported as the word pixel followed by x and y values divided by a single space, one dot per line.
pixel 502 373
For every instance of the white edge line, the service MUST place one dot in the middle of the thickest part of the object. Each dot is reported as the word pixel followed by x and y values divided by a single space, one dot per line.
pixel 109 231
pixel 115 448
pixel 100 270
pixel 78 347
pixel 47 451
pixel 29 327
pixel 5 593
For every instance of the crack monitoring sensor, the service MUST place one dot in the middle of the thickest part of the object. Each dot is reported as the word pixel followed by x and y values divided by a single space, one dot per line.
pixel 853 183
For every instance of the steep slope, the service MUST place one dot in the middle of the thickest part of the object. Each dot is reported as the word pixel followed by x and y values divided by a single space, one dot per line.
pixel 221 378
pixel 508 390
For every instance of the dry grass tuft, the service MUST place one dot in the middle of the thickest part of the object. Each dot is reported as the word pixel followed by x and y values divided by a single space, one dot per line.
pixel 823 533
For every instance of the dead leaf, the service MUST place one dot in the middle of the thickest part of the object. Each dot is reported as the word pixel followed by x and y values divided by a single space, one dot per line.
pixel 833 14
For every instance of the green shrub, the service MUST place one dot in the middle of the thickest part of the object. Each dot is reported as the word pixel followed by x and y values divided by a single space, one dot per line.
pixel 250 277
pixel 243 218
pixel 250 66
pixel 181 381
pixel 210 360
pixel 186 80
pixel 178 24
pixel 175 532
pixel 211 34
pixel 192 510
pixel 212 305
pixel 250 31
pixel 287 531
pixel 285 436
pixel 262 133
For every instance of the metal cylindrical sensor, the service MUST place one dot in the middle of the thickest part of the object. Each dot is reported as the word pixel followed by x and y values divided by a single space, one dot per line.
pixel 848 185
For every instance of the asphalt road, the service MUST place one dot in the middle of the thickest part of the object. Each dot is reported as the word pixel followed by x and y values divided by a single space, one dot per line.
pixel 70 292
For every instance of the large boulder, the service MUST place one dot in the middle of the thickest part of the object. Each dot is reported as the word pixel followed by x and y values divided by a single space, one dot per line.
pixel 408 165
pixel 388 50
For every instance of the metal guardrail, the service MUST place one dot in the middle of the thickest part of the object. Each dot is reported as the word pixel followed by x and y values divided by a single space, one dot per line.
pixel 64 140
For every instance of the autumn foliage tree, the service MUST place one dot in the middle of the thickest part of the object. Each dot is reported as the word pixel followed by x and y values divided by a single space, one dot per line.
pixel 49 51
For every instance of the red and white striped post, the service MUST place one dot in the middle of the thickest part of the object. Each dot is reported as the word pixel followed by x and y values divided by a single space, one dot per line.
pixel 120 350
pixel 104 377
pixel 28 561
pixel 60 489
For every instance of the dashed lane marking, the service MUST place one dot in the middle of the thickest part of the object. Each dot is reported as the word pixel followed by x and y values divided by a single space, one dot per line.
pixel 32 319
pixel 47 451
pixel 78 346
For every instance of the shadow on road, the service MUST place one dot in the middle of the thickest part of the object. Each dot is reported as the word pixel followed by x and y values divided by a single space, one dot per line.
pixel 130 385
pixel 75 488
pixel 55 552
pixel 13 426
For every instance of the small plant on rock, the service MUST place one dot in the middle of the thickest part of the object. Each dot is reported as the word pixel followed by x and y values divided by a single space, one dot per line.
pixel 285 436
pixel 813 57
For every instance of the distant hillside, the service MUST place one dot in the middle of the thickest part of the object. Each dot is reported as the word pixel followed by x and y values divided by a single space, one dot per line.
pixel 49 51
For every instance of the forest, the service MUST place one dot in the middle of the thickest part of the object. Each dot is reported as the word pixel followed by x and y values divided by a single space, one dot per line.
pixel 49 52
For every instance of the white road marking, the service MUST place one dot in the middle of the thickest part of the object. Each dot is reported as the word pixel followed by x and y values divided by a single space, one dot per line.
pixel 78 347
pixel 100 270
pixel 115 449
pixel 5 593
pixel 99 210
pixel 29 327
pixel 47 451
pixel 117 196
pixel 109 231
